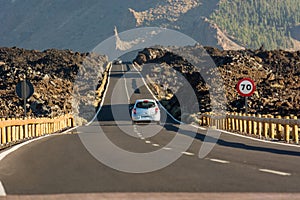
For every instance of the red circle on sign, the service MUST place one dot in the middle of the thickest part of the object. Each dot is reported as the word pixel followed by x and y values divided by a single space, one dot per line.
pixel 246 87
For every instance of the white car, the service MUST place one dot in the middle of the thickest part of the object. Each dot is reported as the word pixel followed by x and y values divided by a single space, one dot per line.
pixel 117 62
pixel 145 110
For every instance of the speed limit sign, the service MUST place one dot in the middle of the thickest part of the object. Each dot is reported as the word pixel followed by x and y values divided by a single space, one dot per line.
pixel 246 87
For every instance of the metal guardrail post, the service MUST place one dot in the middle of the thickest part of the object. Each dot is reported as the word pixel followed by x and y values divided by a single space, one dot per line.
pixel 254 126
pixel 233 122
pixel 259 126
pixel 244 123
pixel 3 135
pixel 278 129
pixel 13 132
pixel 296 132
pixel 249 125
pixel 287 131
pixel 26 135
pixel 272 128
pixel 8 133
pixel 265 128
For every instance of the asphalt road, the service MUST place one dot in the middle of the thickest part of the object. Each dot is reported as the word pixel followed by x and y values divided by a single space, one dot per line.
pixel 112 155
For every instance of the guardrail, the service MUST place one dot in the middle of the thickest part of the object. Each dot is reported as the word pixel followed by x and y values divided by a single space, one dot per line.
pixel 268 126
pixel 13 130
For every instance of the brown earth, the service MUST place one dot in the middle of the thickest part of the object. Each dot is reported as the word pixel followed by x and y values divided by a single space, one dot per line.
pixel 276 74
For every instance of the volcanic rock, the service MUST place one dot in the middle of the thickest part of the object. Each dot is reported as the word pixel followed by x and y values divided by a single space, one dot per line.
pixel 276 74
pixel 53 74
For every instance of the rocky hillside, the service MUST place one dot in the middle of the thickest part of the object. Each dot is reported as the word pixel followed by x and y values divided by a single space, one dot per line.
pixel 253 23
pixel 82 25
pixel 53 74
pixel 276 74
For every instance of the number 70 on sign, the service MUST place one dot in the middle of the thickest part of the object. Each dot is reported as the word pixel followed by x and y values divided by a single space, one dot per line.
pixel 246 87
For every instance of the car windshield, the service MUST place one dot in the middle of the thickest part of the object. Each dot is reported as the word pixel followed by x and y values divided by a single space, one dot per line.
pixel 145 104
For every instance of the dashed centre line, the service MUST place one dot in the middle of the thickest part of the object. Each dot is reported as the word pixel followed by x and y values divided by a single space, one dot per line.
pixel 155 145
pixel 275 172
pixel 147 142
pixel 188 153
pixel 219 161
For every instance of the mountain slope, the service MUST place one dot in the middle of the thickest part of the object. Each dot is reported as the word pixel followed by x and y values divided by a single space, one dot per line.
pixel 81 25
pixel 75 24
pixel 261 22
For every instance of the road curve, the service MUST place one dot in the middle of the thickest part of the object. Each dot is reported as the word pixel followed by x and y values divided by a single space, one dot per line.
pixel 61 164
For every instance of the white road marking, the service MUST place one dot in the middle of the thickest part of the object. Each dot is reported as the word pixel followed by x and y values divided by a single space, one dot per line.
pixel 188 153
pixel 147 142
pixel 142 138
pixel 259 140
pixel 2 190
pixel 219 161
pixel 14 148
pixel 202 128
pixel 103 97
pixel 167 148
pixel 146 85
pixel 125 84
pixel 155 145
pixel 275 172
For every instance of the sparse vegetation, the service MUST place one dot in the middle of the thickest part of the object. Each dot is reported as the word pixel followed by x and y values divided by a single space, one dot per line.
pixel 253 23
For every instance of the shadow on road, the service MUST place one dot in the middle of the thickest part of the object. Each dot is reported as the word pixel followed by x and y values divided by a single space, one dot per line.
pixel 237 145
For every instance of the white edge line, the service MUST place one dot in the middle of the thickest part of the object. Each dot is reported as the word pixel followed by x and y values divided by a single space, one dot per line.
pixel 275 172
pixel 14 148
pixel 259 140
pixel 125 85
pixel 202 128
pixel 103 97
pixel 248 137
pixel 219 161
pixel 155 96
pixel 233 134
pixel 2 190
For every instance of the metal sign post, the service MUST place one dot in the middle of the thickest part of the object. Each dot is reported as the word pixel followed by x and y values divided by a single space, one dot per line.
pixel 25 99
pixel 246 105
pixel 24 90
